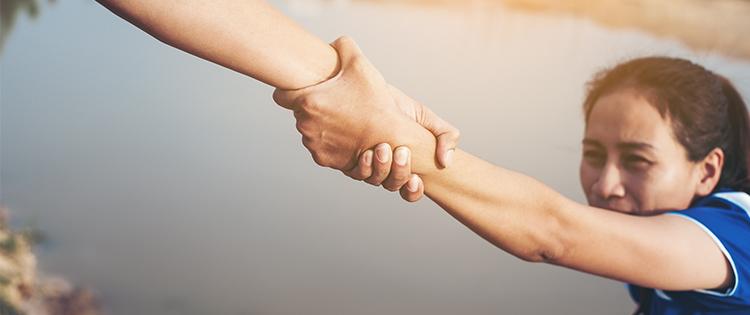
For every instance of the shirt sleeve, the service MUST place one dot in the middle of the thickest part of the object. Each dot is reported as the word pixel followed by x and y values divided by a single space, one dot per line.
pixel 728 224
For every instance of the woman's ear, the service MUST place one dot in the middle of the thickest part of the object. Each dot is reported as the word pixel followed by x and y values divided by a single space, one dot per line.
pixel 709 172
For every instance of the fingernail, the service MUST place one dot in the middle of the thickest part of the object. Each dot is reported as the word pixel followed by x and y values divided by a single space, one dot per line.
pixel 449 157
pixel 382 154
pixel 368 157
pixel 402 154
pixel 413 184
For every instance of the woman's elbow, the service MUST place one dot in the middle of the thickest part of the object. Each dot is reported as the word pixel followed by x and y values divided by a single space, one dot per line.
pixel 549 251
pixel 548 243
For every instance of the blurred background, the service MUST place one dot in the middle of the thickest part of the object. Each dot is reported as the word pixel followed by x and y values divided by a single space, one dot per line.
pixel 164 184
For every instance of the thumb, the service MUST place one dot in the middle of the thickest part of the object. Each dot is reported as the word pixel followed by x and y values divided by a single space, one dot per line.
pixel 347 48
pixel 447 135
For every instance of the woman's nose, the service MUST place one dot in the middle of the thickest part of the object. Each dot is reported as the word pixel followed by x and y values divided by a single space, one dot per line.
pixel 609 184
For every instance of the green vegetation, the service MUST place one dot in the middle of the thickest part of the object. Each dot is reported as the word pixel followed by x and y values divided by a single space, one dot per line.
pixel 9 11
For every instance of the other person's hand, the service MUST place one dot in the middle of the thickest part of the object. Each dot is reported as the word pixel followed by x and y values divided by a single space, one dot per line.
pixel 342 117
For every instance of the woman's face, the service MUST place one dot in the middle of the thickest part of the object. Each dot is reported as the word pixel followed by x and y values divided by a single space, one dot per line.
pixel 631 160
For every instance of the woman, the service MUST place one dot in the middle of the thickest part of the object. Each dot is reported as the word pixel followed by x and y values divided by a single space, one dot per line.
pixel 634 160
pixel 664 170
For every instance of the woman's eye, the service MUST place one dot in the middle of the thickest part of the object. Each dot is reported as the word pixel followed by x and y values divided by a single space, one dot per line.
pixel 594 157
pixel 636 161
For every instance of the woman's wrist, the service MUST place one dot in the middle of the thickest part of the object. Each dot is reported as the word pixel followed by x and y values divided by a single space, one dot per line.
pixel 422 144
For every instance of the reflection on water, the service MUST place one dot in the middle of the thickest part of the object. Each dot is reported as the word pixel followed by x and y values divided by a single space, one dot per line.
pixel 706 25
pixel 9 11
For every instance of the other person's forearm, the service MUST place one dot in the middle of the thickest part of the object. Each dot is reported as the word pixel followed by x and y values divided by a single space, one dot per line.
pixel 248 36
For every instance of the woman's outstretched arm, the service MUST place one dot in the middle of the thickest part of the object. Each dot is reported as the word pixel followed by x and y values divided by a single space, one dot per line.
pixel 515 212
pixel 248 36
pixel 533 222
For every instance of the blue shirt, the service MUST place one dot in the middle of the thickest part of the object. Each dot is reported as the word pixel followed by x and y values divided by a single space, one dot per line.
pixel 725 216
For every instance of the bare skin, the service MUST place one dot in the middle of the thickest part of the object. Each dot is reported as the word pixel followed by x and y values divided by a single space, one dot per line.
pixel 632 163
pixel 533 222
pixel 253 38
pixel 242 35
pixel 515 212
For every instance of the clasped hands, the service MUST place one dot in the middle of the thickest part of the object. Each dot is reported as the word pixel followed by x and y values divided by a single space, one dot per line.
pixel 351 121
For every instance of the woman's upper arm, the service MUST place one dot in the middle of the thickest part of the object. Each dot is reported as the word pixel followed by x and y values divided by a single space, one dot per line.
pixel 666 252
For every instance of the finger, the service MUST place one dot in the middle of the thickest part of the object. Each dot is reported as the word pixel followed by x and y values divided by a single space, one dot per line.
pixel 446 146
pixel 347 48
pixel 446 134
pixel 381 164
pixel 400 169
pixel 352 59
pixel 413 190
pixel 363 169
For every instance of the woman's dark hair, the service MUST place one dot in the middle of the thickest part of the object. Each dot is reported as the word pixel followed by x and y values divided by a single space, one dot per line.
pixel 705 109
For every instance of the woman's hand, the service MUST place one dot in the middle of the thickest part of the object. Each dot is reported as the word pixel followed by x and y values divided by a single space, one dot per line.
pixel 447 135
pixel 376 166
pixel 343 117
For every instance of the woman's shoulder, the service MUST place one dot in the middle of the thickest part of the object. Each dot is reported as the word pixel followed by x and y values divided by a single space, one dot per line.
pixel 723 204
pixel 725 214
pixel 728 199
pixel 725 217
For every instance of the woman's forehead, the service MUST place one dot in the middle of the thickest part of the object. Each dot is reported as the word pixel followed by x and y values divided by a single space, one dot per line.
pixel 626 118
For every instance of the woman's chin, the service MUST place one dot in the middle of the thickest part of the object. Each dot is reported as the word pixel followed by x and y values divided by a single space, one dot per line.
pixel 619 208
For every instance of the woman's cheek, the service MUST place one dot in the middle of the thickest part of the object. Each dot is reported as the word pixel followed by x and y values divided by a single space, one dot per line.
pixel 587 176
pixel 662 189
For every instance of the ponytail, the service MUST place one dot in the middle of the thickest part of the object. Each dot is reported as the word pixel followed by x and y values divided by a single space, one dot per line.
pixel 735 171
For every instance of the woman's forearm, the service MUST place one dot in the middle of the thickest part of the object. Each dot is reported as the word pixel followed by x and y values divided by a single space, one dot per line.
pixel 248 36
pixel 512 211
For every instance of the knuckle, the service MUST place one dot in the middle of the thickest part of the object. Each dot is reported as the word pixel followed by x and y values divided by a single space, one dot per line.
pixel 354 175
pixel 319 158
pixel 382 173
pixel 281 97
pixel 400 175
pixel 307 128
pixel 319 155
pixel 300 126
pixel 362 172
pixel 316 158
pixel 310 102
pixel 408 196
pixel 374 180
pixel 413 196
pixel 453 134
pixel 299 115
pixel 358 63
pixel 346 39
pixel 390 187
pixel 308 143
